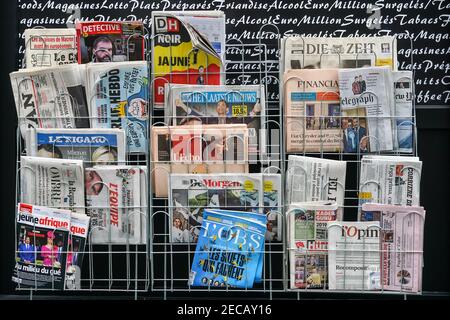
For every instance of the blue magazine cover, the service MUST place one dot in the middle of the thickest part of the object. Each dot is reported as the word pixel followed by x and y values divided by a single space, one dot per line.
pixel 119 99
pixel 252 216
pixel 227 252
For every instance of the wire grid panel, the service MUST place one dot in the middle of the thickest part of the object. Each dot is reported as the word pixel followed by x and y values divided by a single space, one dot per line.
pixel 107 267
pixel 351 206
pixel 247 63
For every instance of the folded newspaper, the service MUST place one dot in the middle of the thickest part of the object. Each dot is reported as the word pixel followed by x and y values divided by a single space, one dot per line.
pixel 390 180
pixel 404 123
pixel 50 47
pixel 312 110
pixel 204 104
pixel 308 243
pixel 229 251
pixel 354 255
pixel 54 183
pixel 191 194
pixel 197 149
pixel 41 253
pixel 182 54
pixel 118 98
pixel 402 231
pixel 93 146
pixel 108 41
pixel 314 179
pixel 346 52
pixel 79 233
pixel 113 201
pixel 368 109
pixel 50 97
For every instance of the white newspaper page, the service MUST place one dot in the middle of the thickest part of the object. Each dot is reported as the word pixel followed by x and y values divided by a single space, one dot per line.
pixel 113 200
pixel 313 179
pixel 354 255
pixel 367 104
pixel 348 52
pixel 401 244
pixel 50 47
pixel 390 180
pixel 54 183
pixel 403 88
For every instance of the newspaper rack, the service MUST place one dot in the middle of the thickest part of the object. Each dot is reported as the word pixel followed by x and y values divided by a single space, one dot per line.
pixel 161 267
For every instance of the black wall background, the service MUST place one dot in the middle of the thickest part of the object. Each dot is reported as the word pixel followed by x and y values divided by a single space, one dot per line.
pixel 433 123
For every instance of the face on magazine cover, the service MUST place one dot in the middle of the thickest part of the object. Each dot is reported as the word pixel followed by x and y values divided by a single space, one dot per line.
pixel 93 183
pixel 49 151
pixel 102 50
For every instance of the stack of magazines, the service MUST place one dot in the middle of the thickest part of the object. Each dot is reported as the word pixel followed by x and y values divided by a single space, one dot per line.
pixel 229 250
pixel 345 95
pixel 49 248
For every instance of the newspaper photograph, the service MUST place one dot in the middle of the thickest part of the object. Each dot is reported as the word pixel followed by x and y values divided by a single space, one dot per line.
pixel 118 98
pixel 190 194
pixel 220 105
pixel 113 198
pixel 354 255
pixel 182 54
pixel 368 88
pixel 111 41
pixel 50 47
pixel 314 179
pixel 220 148
pixel 312 111
pixel 401 240
pixel 329 52
pixel 79 233
pixel 41 251
pixel 50 98
pixel 403 88
pixel 54 183
pixel 93 146
pixel 308 243
pixel 390 180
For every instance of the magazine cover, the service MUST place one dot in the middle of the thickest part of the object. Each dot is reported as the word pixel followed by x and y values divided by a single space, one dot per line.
pixel 79 231
pixel 354 255
pixel 227 254
pixel 250 216
pixel 314 179
pixel 403 88
pixel 110 41
pixel 181 54
pixel 113 202
pixel 50 47
pixel 118 98
pixel 54 183
pixel 308 243
pixel 197 149
pixel 334 52
pixel 390 180
pixel 220 105
pixel 402 230
pixel 312 110
pixel 41 252
pixel 370 129
pixel 50 98
pixel 93 146
pixel 190 194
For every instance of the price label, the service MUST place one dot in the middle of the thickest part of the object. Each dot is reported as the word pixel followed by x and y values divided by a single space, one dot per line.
pixel 239 111
pixel 365 195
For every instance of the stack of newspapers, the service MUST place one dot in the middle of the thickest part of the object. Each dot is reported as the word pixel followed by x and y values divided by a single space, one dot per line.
pixel 82 106
pixel 345 95
pixel 381 251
